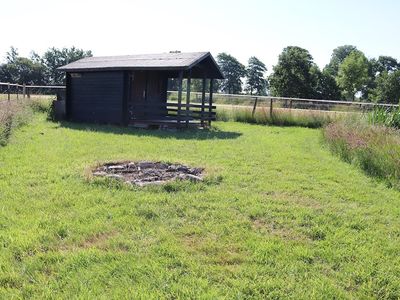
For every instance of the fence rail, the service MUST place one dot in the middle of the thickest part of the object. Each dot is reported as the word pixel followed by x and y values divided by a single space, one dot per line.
pixel 249 101
pixel 269 98
pixel 26 89
pixel 282 104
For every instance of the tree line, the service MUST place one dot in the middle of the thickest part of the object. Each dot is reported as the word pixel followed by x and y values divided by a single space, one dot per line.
pixel 39 70
pixel 348 75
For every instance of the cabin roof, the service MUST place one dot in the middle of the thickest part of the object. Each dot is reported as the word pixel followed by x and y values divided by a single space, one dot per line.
pixel 161 61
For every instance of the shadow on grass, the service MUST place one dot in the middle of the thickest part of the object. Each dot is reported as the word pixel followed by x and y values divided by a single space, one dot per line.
pixel 183 134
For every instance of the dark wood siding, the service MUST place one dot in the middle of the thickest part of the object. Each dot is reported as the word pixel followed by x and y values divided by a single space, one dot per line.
pixel 97 97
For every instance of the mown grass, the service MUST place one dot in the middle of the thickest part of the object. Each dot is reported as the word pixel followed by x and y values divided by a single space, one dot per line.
pixel 279 116
pixel 277 217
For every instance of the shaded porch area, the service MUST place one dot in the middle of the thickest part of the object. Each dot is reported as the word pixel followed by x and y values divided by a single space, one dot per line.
pixel 150 106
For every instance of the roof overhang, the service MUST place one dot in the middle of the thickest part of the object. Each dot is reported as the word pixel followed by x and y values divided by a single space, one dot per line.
pixel 198 64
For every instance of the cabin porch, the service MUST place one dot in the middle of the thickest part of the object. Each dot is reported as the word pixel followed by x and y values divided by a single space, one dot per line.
pixel 149 106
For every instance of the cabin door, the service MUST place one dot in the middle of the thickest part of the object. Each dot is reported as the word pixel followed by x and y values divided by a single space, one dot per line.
pixel 137 99
pixel 148 95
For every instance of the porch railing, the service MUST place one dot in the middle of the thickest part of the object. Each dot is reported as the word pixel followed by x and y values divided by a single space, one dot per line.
pixel 171 112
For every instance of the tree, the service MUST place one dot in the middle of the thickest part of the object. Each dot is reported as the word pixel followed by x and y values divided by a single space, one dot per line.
pixel 370 85
pixel 385 63
pixel 21 69
pixel 325 86
pixel 387 87
pixel 233 72
pixel 54 58
pixel 256 81
pixel 291 77
pixel 39 70
pixel 12 55
pixel 353 74
pixel 339 54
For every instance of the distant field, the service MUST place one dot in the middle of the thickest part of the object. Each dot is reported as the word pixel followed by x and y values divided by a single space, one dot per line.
pixel 278 217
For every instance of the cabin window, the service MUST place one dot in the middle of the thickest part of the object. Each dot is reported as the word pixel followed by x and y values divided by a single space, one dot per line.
pixel 76 75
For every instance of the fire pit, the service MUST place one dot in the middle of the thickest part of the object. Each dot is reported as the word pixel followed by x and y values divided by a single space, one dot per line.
pixel 146 172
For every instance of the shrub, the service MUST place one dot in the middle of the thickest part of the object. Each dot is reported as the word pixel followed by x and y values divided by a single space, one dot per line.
pixel 41 105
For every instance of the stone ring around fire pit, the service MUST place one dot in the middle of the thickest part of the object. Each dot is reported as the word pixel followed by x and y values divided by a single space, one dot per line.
pixel 144 173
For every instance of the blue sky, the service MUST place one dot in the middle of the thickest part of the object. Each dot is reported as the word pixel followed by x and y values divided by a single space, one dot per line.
pixel 242 28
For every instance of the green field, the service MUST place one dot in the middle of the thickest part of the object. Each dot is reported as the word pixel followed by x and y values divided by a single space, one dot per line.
pixel 279 216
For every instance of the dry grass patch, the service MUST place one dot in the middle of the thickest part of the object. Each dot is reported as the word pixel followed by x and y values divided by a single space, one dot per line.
pixel 99 241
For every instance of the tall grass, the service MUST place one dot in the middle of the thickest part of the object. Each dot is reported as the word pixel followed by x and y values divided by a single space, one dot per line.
pixel 374 148
pixel 385 116
pixel 279 117
pixel 16 113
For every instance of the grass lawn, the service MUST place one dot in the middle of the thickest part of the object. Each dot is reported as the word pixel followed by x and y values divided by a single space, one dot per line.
pixel 278 217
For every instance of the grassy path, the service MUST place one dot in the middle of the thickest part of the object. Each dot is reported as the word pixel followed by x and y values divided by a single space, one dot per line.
pixel 279 217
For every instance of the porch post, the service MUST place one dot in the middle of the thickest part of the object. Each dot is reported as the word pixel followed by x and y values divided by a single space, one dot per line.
pixel 203 101
pixel 179 97
pixel 189 80
pixel 210 101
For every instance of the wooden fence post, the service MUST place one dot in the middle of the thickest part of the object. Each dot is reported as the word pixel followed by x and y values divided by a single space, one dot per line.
pixel 254 106
pixel 17 91
pixel 8 92
pixel 23 91
pixel 270 108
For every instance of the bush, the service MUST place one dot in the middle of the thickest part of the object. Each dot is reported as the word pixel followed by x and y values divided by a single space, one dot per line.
pixel 374 148
pixel 41 105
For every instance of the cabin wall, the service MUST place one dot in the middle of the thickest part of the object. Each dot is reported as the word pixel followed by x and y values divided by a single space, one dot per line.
pixel 96 97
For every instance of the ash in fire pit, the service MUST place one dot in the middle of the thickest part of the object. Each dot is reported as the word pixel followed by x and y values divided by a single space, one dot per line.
pixel 145 172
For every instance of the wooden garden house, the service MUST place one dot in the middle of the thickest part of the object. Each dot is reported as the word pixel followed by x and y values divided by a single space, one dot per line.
pixel 132 89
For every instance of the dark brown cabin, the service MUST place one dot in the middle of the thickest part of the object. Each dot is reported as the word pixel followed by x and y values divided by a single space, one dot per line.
pixel 132 89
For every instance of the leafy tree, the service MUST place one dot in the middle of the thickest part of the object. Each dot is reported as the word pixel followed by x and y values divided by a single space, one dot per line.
pixel 12 55
pixel 353 74
pixel 256 81
pixel 370 85
pixel 292 76
pixel 233 72
pixel 338 56
pixel 387 87
pixel 54 58
pixel 385 63
pixel 21 69
pixel 325 86
pixel 39 70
